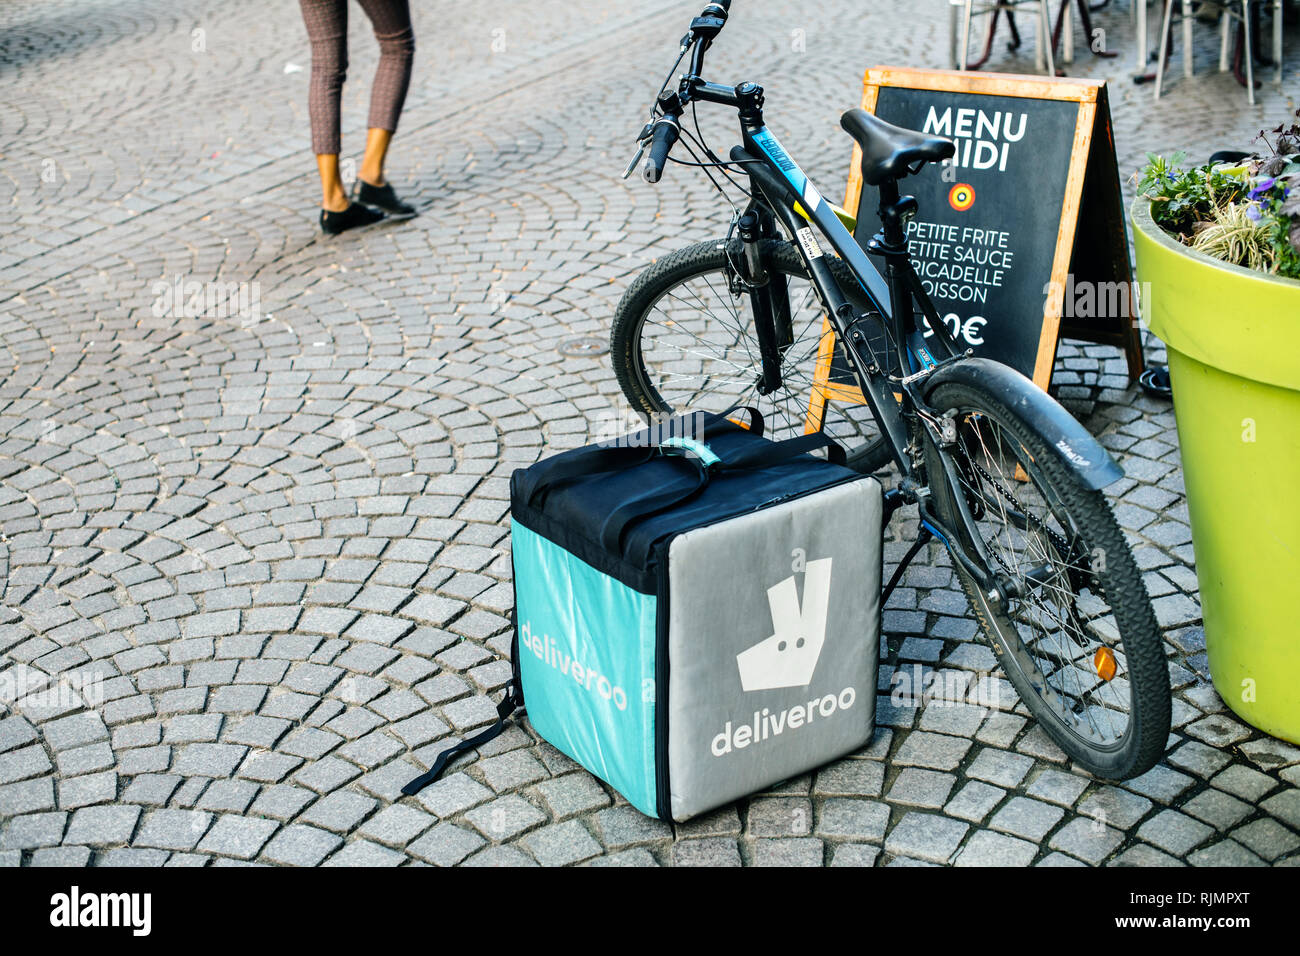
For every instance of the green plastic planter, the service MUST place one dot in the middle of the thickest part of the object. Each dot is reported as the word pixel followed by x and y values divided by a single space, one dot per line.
pixel 1233 338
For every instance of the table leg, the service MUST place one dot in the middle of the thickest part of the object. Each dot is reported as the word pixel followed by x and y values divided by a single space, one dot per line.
pixel 1187 38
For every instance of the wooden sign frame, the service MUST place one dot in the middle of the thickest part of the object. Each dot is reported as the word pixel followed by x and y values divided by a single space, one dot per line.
pixel 1091 219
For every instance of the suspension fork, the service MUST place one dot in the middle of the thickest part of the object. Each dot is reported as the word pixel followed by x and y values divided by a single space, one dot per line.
pixel 768 294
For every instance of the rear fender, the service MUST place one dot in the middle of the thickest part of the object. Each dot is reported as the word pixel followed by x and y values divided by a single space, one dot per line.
pixel 1069 440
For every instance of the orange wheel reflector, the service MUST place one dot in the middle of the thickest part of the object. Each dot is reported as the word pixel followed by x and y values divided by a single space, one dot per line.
pixel 1104 661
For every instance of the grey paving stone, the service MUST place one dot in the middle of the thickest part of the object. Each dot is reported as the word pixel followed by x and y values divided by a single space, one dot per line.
pixel 511 771
pixel 397 825
pixel 1267 838
pixel 926 836
pixel 850 778
pixel 367 854
pixel 710 852
pixel 1086 839
pixel 1142 855
pixel 505 817
pixel 446 845
pixel 238 836
pixel 172 829
pixel 62 856
pixel 561 844
pixel 571 794
pixel 1115 807
pixel 627 858
pixel 986 848
pixel 1058 787
pixel 1174 832
pixel 1217 808
pixel 1023 817
pixel 1224 853
pixel 779 817
pixel 921 788
pixel 974 801
pixel 624 826
pixel 505 857
pixel 854 854
pixel 103 825
pixel 1244 782
pixel 800 852
pixel 852 819
pixel 300 845
pixel 935 751
pixel 33 830
pixel 452 794
pixel 1160 784
pixel 86 790
pixel 999 767
pixel 339 811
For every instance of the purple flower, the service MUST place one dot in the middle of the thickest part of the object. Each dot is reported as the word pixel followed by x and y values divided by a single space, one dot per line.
pixel 1253 213
pixel 1264 186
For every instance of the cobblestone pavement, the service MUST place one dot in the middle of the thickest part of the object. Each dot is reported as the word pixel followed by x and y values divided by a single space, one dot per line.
pixel 278 549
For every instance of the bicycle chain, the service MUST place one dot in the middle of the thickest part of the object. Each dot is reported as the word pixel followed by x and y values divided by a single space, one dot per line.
pixel 1062 545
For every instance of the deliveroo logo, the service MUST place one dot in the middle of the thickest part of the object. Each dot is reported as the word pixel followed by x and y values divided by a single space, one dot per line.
pixel 789 657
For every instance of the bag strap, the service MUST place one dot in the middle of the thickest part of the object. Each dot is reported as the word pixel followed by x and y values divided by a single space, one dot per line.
pixel 602 459
pixel 790 448
pixel 617 523
pixel 507 707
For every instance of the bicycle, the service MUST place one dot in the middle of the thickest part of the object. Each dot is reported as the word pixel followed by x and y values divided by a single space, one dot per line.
pixel 1003 476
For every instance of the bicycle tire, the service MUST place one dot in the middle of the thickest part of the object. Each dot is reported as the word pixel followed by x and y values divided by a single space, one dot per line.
pixel 677 269
pixel 1118 579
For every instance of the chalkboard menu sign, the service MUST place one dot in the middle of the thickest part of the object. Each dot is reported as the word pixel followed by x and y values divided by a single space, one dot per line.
pixel 1022 221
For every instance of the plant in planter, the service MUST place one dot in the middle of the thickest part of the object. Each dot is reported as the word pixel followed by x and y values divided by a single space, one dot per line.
pixel 1218 255
pixel 1247 214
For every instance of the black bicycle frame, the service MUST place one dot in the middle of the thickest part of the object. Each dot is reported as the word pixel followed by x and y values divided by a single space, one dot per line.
pixel 789 195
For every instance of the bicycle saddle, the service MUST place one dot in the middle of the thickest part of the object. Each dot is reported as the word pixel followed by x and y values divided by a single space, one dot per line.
pixel 891 152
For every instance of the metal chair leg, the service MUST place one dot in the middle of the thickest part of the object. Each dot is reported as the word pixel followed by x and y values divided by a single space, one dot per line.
pixel 1045 36
pixel 965 36
pixel 1250 53
pixel 1277 40
pixel 1225 39
pixel 1187 39
pixel 1164 47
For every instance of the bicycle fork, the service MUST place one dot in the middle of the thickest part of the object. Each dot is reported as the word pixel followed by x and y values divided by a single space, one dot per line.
pixel 769 297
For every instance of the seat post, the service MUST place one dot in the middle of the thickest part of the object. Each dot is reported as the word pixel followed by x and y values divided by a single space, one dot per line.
pixel 893 217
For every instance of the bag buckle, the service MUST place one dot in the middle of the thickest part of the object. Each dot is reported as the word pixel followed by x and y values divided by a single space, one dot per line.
pixel 690 448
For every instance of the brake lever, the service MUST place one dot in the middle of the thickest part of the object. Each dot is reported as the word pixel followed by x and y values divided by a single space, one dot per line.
pixel 643 141
pixel 636 160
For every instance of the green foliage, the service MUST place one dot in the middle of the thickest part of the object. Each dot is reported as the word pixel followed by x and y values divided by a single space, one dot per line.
pixel 1248 214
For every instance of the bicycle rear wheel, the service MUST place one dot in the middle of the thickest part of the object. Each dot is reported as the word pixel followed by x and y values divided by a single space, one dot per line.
pixel 1073 630
pixel 683 339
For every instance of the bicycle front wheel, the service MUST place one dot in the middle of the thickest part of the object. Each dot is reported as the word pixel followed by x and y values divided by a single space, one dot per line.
pixel 1071 624
pixel 684 339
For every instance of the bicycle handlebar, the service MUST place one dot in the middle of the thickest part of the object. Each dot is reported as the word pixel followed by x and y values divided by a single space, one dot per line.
pixel 664 138
pixel 665 131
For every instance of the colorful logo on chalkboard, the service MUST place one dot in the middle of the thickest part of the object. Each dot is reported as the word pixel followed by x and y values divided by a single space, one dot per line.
pixel 961 197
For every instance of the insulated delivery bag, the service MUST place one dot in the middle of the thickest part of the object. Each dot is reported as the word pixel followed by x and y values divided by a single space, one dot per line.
pixel 697 610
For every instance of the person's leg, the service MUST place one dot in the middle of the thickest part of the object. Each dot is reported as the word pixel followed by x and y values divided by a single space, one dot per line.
pixel 327 29
pixel 391 20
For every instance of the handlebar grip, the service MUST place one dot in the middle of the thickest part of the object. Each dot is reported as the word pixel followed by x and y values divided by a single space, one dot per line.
pixel 665 136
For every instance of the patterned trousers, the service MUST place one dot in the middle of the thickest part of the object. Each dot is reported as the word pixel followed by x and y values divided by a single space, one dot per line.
pixel 327 28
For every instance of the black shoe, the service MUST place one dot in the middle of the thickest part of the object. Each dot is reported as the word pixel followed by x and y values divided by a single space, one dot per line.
pixel 354 217
pixel 382 197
